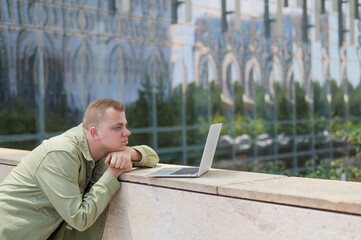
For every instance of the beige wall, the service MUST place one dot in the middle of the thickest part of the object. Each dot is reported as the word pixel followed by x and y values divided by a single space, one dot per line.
pixel 225 204
pixel 149 212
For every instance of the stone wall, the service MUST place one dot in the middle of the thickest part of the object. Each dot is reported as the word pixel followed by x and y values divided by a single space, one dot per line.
pixel 225 204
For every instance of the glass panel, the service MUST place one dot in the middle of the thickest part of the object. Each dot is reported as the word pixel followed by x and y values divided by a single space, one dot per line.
pixel 23 145
pixel 140 138
pixel 61 18
pixel 322 98
pixel 101 23
pixel 197 136
pixel 102 68
pixel 230 84
pixel 338 105
pixel 194 157
pixel 196 104
pixel 138 87
pixel 171 158
pixel 142 8
pixel 265 141
pixel 224 155
pixel 303 138
pixel 278 98
pixel 284 100
pixel 302 107
pixel 265 128
pixel 63 82
pixel 273 167
pixel 169 139
pixel 162 10
pixel 199 92
pixel 18 80
pixel 218 113
pixel 285 138
pixel 304 161
pixel 323 138
pixel 168 95
pixel 354 98
pixel 322 107
pixel 239 113
pixel 97 4
pixel 73 2
pixel 18 12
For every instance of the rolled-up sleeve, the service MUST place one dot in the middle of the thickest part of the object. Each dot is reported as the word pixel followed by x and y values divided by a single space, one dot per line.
pixel 149 157
pixel 58 176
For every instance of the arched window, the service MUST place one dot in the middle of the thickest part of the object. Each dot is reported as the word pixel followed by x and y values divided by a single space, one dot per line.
pixel 205 106
pixel 275 78
pixel 253 75
pixel 230 76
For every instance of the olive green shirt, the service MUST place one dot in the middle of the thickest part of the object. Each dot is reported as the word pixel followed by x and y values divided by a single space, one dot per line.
pixel 50 185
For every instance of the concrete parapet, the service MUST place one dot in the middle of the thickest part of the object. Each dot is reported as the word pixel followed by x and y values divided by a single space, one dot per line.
pixel 224 204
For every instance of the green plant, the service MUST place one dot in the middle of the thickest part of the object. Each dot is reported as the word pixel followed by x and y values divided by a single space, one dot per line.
pixel 266 167
pixel 335 170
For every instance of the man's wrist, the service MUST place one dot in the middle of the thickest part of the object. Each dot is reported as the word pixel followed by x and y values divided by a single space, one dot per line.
pixel 115 172
pixel 118 178
pixel 136 156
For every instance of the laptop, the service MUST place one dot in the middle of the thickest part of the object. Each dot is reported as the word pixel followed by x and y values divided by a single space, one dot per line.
pixel 206 161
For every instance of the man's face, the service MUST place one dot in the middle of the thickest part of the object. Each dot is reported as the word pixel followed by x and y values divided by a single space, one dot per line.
pixel 113 130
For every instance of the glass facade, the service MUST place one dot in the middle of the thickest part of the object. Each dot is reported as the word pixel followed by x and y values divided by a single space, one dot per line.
pixel 282 76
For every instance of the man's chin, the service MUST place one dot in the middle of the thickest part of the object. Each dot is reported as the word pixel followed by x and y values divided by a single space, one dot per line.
pixel 122 148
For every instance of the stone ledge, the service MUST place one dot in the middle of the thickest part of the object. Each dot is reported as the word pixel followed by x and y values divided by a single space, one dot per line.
pixel 11 157
pixel 207 183
pixel 140 211
pixel 329 195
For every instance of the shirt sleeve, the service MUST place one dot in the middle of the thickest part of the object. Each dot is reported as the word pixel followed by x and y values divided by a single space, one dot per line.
pixel 99 170
pixel 58 176
pixel 149 157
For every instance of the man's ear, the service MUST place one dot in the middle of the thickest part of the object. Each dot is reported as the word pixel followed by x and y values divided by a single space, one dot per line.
pixel 93 133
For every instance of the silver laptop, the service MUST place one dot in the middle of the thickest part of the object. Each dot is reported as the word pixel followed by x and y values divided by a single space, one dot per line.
pixel 206 161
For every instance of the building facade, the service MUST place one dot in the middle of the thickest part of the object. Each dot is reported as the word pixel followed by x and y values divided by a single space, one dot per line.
pixel 283 76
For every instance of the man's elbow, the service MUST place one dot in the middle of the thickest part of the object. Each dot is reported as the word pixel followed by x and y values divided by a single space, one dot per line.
pixel 153 162
pixel 78 227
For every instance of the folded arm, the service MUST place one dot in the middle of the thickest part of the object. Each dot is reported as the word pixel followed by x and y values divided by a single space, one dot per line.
pixel 137 156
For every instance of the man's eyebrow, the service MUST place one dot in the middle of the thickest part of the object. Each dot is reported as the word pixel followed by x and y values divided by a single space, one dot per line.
pixel 120 124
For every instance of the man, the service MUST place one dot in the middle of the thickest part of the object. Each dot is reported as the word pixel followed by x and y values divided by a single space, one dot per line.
pixel 61 189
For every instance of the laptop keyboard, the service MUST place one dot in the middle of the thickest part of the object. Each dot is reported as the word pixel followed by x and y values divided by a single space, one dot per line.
pixel 186 171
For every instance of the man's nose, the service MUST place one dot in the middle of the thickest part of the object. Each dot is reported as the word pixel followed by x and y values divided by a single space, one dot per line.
pixel 126 132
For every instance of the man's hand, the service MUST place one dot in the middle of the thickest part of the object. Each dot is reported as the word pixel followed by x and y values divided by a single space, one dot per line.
pixel 121 160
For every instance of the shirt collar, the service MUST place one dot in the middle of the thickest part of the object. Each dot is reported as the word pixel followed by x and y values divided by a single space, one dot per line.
pixel 83 143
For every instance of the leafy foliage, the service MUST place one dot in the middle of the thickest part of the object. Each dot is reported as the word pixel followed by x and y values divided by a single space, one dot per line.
pixel 203 104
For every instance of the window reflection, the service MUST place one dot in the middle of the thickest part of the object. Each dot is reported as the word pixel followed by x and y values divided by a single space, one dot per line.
pixel 19 74
pixel 137 93
pixel 280 99
pixel 168 99
pixel 59 114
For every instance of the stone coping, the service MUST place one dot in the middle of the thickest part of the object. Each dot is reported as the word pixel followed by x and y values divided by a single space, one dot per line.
pixel 12 157
pixel 329 195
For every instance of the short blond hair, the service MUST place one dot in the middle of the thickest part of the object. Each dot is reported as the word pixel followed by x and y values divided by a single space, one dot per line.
pixel 96 111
